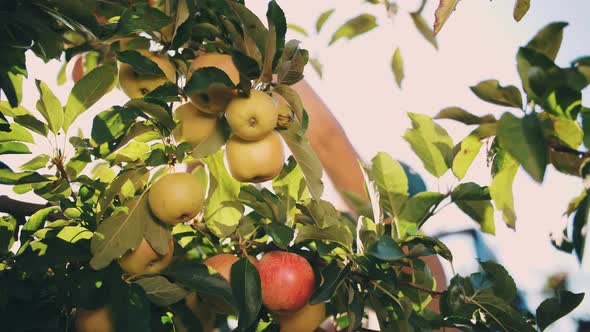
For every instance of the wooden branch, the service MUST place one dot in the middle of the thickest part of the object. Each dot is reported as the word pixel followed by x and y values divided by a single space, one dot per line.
pixel 20 209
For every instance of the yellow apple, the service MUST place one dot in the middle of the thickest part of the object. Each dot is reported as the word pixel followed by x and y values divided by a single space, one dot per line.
pixel 137 86
pixel 255 161
pixel 98 320
pixel 306 319
pixel 176 197
pixel 144 259
pixel 254 117
pixel 216 98
pixel 193 125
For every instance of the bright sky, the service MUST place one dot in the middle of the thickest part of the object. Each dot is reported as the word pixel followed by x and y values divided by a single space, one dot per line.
pixel 478 42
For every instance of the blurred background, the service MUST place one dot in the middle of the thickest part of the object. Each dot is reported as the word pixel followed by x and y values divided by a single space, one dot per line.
pixel 479 42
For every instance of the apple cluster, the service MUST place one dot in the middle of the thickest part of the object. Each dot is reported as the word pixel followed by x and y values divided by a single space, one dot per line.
pixel 255 151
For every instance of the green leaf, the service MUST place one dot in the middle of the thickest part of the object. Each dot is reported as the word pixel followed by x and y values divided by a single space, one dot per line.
pixel 521 7
pixel 431 143
pixel 7 176
pixel 548 40
pixel 160 291
pixel 524 140
pixel 197 277
pixel 501 190
pixel 527 59
pixel 354 27
pixel 87 91
pixel 492 92
pixel 579 224
pixel 252 24
pixel 119 233
pixel 49 107
pixel 281 234
pixel 554 308
pixel 386 249
pixel 141 64
pixel 36 221
pixel 292 97
pixel 7 226
pixel 501 313
pixel 397 66
pixel 442 13
pixel 504 286
pixel 141 18
pixel 481 211
pixel 23 117
pixel 157 111
pixel 222 209
pixel 470 191
pixel 132 307
pixel 306 158
pixel 416 209
pixel 461 115
pixel 322 19
pixel 36 163
pixel 332 277
pixel 568 132
pixel 16 133
pixel 466 151
pixel 245 282
pixel 424 28
pixel 337 233
pixel 111 124
pixel 297 28
pixel 391 182
pixel 204 78
pixel 278 24
pixel 212 143
pixel 424 245
pixel 246 65
pixel 158 235
pixel 14 148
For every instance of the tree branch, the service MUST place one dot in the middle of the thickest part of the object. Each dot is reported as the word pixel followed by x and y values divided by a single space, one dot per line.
pixel 20 209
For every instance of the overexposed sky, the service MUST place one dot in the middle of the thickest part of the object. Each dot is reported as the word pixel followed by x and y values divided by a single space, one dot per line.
pixel 478 42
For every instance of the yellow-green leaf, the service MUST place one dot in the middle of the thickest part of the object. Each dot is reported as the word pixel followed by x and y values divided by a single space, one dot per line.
pixel 521 7
pixel 467 150
pixel 424 28
pixel 444 10
pixel 397 65
pixel 354 27
pixel 501 190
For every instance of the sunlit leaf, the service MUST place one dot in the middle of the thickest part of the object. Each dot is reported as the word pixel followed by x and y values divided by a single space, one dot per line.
pixel 87 91
pixel 355 27
pixel 431 143
pixel 444 10
pixel 322 19
pixel 521 7
pixel 501 189
pixel 49 107
pixel 466 151
pixel 397 66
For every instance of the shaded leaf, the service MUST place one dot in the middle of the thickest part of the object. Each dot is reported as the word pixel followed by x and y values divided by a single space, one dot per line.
pixel 524 140
pixel 554 308
pixel 481 211
pixel 386 249
pixel 492 92
pixel 141 65
pixel 332 277
pixel 245 282
pixel 160 291
pixel 548 40
pixel 461 115
pixel 337 233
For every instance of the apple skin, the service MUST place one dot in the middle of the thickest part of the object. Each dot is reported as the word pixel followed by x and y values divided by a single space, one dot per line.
pixel 194 126
pixel 136 86
pixel 255 161
pixel 98 320
pixel 287 281
pixel 176 197
pixel 253 117
pixel 222 263
pixel 306 319
pixel 216 99
pixel 144 259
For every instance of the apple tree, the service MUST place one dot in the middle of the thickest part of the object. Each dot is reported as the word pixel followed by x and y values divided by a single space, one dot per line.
pixel 128 241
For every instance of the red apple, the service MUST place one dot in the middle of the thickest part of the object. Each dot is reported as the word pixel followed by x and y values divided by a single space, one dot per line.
pixel 287 281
